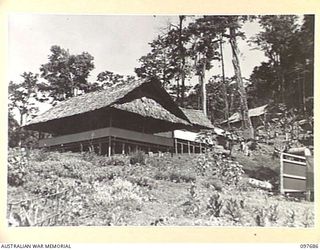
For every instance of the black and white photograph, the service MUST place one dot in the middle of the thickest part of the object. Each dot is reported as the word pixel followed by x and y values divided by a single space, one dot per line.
pixel 160 120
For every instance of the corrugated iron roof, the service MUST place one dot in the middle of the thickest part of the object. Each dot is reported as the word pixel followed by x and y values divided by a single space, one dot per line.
pixel 236 117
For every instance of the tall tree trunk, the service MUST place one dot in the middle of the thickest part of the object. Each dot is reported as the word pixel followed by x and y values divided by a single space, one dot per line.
pixel 282 78
pixel 182 60
pixel 178 92
pixel 237 72
pixel 224 88
pixel 203 88
pixel 20 129
pixel 304 90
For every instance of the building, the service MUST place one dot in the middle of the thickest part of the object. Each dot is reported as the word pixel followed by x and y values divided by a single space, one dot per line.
pixel 256 115
pixel 120 119
pixel 189 140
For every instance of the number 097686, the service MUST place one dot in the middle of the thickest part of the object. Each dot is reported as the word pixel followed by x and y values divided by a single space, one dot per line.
pixel 309 246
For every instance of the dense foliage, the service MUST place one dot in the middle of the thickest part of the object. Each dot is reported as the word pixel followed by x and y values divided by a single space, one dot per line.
pixel 65 74
pixel 287 76
pixel 70 189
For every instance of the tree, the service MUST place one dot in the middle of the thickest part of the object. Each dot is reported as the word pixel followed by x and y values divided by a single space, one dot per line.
pixel 13 131
pixel 204 50
pixel 22 101
pixel 234 25
pixel 22 97
pixel 168 60
pixel 159 62
pixel 66 74
pixel 289 71
pixel 107 79
pixel 275 40
pixel 305 64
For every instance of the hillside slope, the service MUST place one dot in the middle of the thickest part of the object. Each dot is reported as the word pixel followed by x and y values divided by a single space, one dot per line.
pixel 51 188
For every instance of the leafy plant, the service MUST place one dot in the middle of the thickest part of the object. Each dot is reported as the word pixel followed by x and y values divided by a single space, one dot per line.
pixel 260 216
pixel 205 162
pixel 192 206
pixel 138 157
pixel 308 218
pixel 290 218
pixel 121 193
pixel 17 166
pixel 228 171
pixel 273 213
pixel 214 183
pixel 214 205
pixel 233 210
pixel 176 177
pixel 144 182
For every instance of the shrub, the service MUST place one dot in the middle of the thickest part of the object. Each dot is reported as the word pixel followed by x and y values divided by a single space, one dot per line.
pixel 228 171
pixel 117 160
pixel 180 177
pixel 290 218
pixel 308 218
pixel 138 157
pixel 214 183
pixel 192 206
pixel 121 193
pixel 17 166
pixel 40 155
pixel 175 177
pixel 143 182
pixel 273 213
pixel 260 217
pixel 214 205
pixel 204 163
pixel 65 167
pixel 88 156
pixel 233 210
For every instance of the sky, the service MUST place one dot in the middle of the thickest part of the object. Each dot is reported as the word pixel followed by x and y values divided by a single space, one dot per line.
pixel 116 42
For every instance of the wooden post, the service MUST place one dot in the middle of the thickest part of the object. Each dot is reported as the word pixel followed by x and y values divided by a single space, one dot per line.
pixel 181 148
pixel 189 147
pixel 281 174
pixel 100 146
pixel 113 147
pixel 81 147
pixel 193 148
pixel 123 148
pixel 200 148
pixel 109 146
pixel 176 145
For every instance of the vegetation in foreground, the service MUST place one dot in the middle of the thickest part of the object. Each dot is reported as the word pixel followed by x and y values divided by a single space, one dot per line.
pixel 70 189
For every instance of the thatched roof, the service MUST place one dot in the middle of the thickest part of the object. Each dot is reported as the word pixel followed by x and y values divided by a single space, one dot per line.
pixel 144 98
pixel 149 108
pixel 197 117
pixel 87 102
pixel 236 117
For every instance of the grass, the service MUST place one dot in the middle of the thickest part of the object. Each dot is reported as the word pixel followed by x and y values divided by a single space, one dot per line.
pixel 164 191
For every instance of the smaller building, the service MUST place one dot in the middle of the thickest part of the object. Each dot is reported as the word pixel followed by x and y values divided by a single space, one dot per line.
pixel 189 140
pixel 256 115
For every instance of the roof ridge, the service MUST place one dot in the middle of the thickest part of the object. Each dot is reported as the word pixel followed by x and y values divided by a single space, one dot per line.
pixel 113 93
